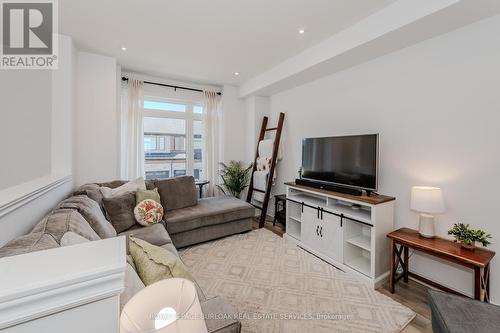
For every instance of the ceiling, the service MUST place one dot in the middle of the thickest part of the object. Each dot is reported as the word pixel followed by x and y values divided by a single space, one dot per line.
pixel 206 41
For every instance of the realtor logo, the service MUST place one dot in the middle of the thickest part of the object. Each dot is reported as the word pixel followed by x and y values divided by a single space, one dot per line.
pixel 29 37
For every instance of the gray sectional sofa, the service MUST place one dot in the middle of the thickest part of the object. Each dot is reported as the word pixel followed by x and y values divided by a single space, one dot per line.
pixel 188 221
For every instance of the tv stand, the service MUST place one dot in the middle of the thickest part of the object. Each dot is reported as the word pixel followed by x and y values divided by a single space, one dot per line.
pixel 347 231
pixel 328 187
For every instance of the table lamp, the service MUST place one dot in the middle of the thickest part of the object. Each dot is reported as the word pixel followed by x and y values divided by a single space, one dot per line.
pixel 167 306
pixel 428 201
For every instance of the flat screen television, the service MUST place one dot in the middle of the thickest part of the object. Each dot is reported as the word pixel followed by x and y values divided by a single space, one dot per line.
pixel 346 161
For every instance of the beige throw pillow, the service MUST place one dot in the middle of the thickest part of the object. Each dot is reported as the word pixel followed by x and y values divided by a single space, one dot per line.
pixel 132 186
pixel 154 263
pixel 148 194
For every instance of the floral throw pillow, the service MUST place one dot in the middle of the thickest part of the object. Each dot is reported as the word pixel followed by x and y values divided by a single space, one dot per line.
pixel 148 212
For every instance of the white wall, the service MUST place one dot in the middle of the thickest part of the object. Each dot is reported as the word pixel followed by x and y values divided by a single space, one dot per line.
pixel 96 140
pixel 25 125
pixel 63 106
pixel 436 106
pixel 256 108
pixel 36 141
pixel 233 125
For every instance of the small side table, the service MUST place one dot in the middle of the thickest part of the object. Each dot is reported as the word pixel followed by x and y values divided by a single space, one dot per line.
pixel 201 184
pixel 477 259
pixel 280 209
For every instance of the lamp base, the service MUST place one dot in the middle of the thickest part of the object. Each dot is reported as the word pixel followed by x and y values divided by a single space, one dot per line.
pixel 426 226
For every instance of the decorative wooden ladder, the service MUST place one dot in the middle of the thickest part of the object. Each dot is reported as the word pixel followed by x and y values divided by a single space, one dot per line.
pixel 267 192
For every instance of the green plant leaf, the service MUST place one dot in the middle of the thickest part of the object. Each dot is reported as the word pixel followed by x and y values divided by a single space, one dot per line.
pixel 463 233
pixel 235 177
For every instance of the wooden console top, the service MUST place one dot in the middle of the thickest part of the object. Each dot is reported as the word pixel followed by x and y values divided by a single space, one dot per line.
pixel 442 247
pixel 372 200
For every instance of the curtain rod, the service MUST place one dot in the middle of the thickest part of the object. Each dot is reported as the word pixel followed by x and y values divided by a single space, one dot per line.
pixel 170 86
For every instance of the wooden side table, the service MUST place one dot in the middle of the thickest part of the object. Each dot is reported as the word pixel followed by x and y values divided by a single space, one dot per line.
pixel 477 259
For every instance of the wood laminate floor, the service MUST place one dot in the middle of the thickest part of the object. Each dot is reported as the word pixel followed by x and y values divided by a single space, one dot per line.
pixel 411 294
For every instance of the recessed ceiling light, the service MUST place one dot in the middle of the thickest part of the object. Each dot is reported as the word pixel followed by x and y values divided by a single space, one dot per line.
pixel 302 31
pixel 124 48
pixel 236 73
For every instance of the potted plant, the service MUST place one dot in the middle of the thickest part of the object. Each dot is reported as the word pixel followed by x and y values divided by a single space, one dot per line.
pixel 468 237
pixel 235 178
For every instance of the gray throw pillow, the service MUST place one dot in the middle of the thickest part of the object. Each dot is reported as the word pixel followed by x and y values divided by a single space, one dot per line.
pixel 179 192
pixel 120 211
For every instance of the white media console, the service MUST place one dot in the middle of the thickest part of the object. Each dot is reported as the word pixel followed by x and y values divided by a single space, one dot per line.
pixel 345 230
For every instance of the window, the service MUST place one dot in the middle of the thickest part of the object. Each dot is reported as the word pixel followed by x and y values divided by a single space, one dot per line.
pixel 173 138
pixel 164 106
pixel 179 143
pixel 149 143
pixel 178 173
pixel 198 147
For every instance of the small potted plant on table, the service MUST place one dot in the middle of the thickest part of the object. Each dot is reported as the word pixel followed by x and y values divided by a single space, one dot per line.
pixel 468 237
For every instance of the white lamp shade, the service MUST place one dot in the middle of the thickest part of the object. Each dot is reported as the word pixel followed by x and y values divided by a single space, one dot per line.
pixel 426 199
pixel 167 306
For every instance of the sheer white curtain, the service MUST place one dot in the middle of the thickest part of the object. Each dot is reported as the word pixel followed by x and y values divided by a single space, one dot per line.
pixel 211 121
pixel 134 127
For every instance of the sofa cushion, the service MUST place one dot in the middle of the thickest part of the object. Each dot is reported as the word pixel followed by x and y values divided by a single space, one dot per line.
pixel 208 211
pixel 133 284
pixel 70 238
pixel 155 234
pixel 220 316
pixel 176 193
pixel 211 232
pixel 61 221
pixel 28 243
pixel 154 263
pixel 91 211
pixel 171 248
pixel 120 211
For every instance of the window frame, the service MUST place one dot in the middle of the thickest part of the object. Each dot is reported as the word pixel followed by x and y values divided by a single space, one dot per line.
pixel 189 117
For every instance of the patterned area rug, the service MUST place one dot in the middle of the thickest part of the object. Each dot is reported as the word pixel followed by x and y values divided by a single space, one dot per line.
pixel 277 287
